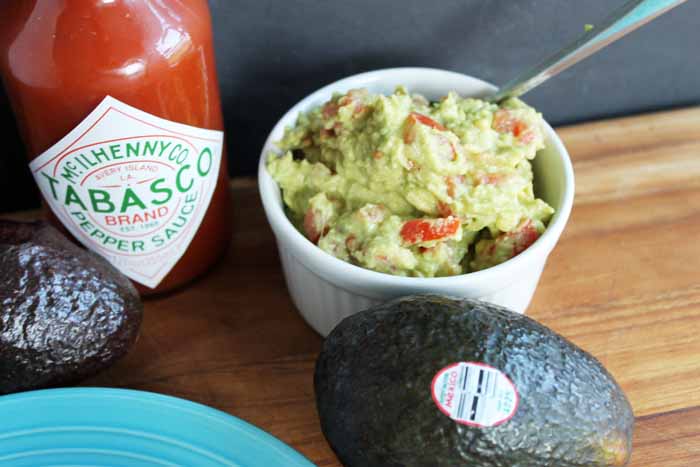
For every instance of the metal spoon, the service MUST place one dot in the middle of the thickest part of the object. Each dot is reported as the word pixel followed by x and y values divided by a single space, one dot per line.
pixel 630 16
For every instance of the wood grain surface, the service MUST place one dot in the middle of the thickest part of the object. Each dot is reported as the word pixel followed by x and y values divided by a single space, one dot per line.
pixel 623 283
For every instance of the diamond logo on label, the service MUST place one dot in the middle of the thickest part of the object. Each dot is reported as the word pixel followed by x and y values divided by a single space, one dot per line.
pixel 131 186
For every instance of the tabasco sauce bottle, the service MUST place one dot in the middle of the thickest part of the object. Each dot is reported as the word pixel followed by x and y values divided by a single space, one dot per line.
pixel 118 104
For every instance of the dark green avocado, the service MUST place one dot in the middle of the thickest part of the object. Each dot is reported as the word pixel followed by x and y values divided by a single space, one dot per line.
pixel 375 394
pixel 65 313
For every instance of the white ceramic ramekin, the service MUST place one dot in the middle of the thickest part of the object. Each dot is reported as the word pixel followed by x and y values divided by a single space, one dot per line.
pixel 326 289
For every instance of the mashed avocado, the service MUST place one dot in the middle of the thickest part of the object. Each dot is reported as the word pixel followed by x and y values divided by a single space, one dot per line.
pixel 404 186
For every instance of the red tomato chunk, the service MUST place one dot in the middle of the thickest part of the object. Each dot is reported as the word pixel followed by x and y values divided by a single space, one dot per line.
pixel 425 230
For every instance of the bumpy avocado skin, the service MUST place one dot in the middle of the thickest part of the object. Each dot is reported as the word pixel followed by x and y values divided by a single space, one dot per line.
pixel 65 312
pixel 373 380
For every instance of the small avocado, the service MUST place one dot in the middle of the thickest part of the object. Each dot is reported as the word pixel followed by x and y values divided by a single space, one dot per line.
pixel 65 312
pixel 435 381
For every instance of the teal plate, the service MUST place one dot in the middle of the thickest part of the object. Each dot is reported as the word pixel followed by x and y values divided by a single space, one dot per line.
pixel 123 428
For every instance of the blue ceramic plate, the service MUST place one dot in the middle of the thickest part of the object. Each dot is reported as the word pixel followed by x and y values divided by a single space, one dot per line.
pixel 122 428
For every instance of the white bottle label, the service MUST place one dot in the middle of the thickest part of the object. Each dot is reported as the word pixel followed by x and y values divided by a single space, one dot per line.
pixel 474 394
pixel 131 186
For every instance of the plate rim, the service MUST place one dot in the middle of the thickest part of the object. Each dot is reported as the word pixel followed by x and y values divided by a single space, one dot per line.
pixel 192 408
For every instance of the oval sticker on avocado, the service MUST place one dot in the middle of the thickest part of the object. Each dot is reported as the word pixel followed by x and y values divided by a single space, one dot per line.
pixel 474 394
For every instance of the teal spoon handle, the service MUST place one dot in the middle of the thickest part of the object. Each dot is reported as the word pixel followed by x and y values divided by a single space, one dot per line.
pixel 630 16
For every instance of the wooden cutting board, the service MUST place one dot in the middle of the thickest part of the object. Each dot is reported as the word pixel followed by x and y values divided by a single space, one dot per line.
pixel 623 283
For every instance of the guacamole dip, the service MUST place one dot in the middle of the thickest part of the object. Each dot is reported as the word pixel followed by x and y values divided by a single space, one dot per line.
pixel 400 185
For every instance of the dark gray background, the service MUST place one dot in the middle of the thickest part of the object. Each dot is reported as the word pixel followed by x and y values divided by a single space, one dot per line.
pixel 271 53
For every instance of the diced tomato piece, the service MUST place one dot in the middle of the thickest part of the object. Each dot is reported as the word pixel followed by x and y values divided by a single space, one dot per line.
pixel 311 228
pixel 351 242
pixel 452 181
pixel 491 179
pixel 450 186
pixel 330 109
pixel 415 118
pixel 519 128
pixel 427 121
pixel 491 250
pixel 509 244
pixel 409 131
pixel 354 98
pixel 524 237
pixel 503 122
pixel 325 133
pixel 444 209
pixel 425 230
pixel 523 132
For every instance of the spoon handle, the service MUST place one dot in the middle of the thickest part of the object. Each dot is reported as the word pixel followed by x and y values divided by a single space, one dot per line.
pixel 630 16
